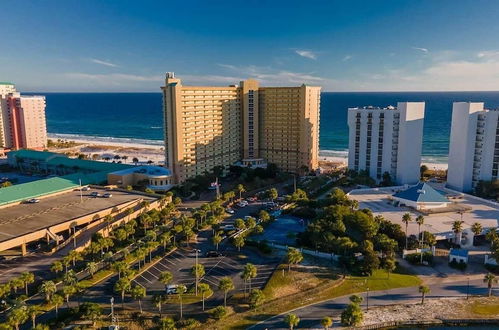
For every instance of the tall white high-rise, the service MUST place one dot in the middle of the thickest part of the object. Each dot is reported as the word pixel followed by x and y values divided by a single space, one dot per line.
pixel 474 146
pixel 387 140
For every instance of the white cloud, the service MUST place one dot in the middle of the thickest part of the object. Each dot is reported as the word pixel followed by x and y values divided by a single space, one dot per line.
pixel 488 54
pixel 347 58
pixel 306 53
pixel 424 50
pixel 101 62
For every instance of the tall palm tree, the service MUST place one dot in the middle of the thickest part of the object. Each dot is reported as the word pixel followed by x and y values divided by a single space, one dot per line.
pixel 294 256
pixel 204 288
pixel 197 271
pixel 240 189
pixel 27 278
pixel 249 272
pixel 138 292
pixel 181 289
pixel 158 300
pixel 424 290
pixel 490 279
pixel 457 228
pixel 225 285
pixel 57 300
pixel 165 278
pixel 477 229
pixel 291 320
pixel 122 286
pixel 33 312
pixel 48 288
pixel 406 218
pixel 17 316
pixel 420 222
pixel 326 322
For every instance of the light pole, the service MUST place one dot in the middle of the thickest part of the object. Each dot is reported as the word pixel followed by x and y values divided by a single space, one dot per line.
pixel 367 300
pixel 112 310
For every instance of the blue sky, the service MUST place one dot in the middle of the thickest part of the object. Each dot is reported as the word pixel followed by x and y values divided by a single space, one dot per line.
pixel 340 45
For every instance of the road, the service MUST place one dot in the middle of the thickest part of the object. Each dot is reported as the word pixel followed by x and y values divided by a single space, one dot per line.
pixel 311 315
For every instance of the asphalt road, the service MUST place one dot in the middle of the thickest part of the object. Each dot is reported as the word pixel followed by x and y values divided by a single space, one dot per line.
pixel 311 315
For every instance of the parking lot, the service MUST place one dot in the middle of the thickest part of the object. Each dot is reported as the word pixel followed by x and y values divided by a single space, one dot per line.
pixel 283 230
pixel 377 200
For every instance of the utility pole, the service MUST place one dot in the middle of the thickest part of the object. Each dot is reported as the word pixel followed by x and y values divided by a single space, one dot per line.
pixel 81 193
pixel 468 289
pixel 218 188
pixel 367 300
pixel 112 310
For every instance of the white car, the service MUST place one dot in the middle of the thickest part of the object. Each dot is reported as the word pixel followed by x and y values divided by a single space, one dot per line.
pixel 229 228
pixel 107 195
pixel 171 288
pixel 230 211
pixel 33 201
pixel 85 189
pixel 242 204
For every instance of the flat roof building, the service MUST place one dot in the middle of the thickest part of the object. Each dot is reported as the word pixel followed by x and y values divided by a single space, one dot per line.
pixel 421 197
pixel 387 140
pixel 474 146
pixel 208 126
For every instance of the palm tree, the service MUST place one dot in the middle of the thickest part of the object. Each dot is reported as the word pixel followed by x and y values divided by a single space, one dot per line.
pixel 17 316
pixel 74 256
pixel 68 290
pixel 158 300
pixel 27 278
pixel 181 289
pixel 48 288
pixel 457 227
pixel 165 278
pixel 165 239
pixel 57 300
pixel 420 222
pixel 91 268
pixel 225 285
pixel 16 283
pixel 216 240
pixel 138 292
pixel 238 242
pixel 168 323
pixel 240 189
pixel 249 272
pixel 273 194
pixel 477 229
pixel 490 279
pixel 326 322
pixel 122 286
pixel 406 218
pixel 424 290
pixel 33 312
pixel 204 288
pixel 57 267
pixel 294 256
pixel 197 271
pixel 291 320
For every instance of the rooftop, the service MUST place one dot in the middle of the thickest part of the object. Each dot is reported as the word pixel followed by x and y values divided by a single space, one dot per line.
pixel 422 193
pixel 370 107
pixel 459 252
pixel 146 169
pixel 5 83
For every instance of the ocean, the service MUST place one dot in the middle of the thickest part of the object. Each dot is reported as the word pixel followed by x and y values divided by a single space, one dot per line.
pixel 137 117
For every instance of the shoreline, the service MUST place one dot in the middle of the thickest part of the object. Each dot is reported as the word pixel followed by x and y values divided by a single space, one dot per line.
pixel 153 149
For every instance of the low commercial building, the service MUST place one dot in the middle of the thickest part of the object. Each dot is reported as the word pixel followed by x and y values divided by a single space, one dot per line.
pixel 458 255
pixel 155 178
pixel 421 197
pixel 474 146
pixel 387 140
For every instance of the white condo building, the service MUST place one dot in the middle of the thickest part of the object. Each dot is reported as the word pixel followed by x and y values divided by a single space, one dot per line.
pixel 474 146
pixel 387 140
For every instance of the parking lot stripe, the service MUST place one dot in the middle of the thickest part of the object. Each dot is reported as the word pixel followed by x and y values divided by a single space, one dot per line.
pixel 173 263
pixel 145 278
pixel 209 281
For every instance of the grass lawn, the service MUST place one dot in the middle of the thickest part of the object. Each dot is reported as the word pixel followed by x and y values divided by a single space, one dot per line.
pixel 188 298
pixel 486 308
pixel 296 289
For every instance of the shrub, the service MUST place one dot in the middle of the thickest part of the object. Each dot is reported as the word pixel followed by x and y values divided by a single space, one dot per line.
pixel 352 315
pixel 218 313
pixel 188 324
pixel 415 258
pixel 458 265
pixel 492 268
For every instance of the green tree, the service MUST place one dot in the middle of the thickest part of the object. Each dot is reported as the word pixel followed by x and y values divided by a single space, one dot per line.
pixel 165 239
pixel 158 300
pixel 138 293
pixel 406 218
pixel 216 240
pixel 225 285
pixel 457 228
pixel 181 289
pixel 356 299
pixel 291 320
pixel 48 288
pixel 197 271
pixel 422 171
pixel 204 288
pixel 16 283
pixel 27 278
pixel 249 272
pixel 167 323
pixel 218 312
pixel 17 316
pixel 490 279
pixel 272 193
pixel 424 290
pixel 352 315
pixel 390 265
pixel 56 300
pixel 68 290
pixel 239 224
pixel 165 277
pixel 240 189
pixel 238 242
pixel 91 268
pixel 256 298
pixel 477 229
pixel 75 256
pixel 326 322
pixel 33 312
pixel 57 267
pixel 293 257
pixel 420 222
pixel 91 311
pixel 122 286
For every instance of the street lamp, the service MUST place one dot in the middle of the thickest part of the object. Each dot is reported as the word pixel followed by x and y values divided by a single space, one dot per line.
pixel 112 310
pixel 468 289
pixel 367 300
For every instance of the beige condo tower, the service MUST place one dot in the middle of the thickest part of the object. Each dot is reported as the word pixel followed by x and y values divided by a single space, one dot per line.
pixel 246 125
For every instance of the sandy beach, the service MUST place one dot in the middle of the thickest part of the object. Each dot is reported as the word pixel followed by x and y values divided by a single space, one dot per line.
pixel 155 153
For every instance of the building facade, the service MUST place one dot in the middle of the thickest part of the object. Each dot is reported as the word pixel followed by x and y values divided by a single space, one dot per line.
pixel 249 125
pixel 387 140
pixel 22 120
pixel 474 146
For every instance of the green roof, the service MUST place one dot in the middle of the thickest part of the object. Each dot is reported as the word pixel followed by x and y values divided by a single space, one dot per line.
pixel 5 83
pixel 33 154
pixel 89 165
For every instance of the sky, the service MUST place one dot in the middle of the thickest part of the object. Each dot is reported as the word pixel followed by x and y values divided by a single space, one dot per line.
pixel 127 46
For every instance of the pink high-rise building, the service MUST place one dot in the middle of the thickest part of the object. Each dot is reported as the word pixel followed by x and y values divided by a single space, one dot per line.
pixel 22 120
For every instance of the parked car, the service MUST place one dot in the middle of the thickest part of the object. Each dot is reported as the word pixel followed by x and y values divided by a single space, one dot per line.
pixel 33 201
pixel 171 288
pixel 213 254
pixel 85 188
pixel 107 195
pixel 229 228
pixel 95 194
pixel 242 204
pixel 230 211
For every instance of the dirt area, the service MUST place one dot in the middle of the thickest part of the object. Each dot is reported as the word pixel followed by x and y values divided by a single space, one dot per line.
pixel 445 308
